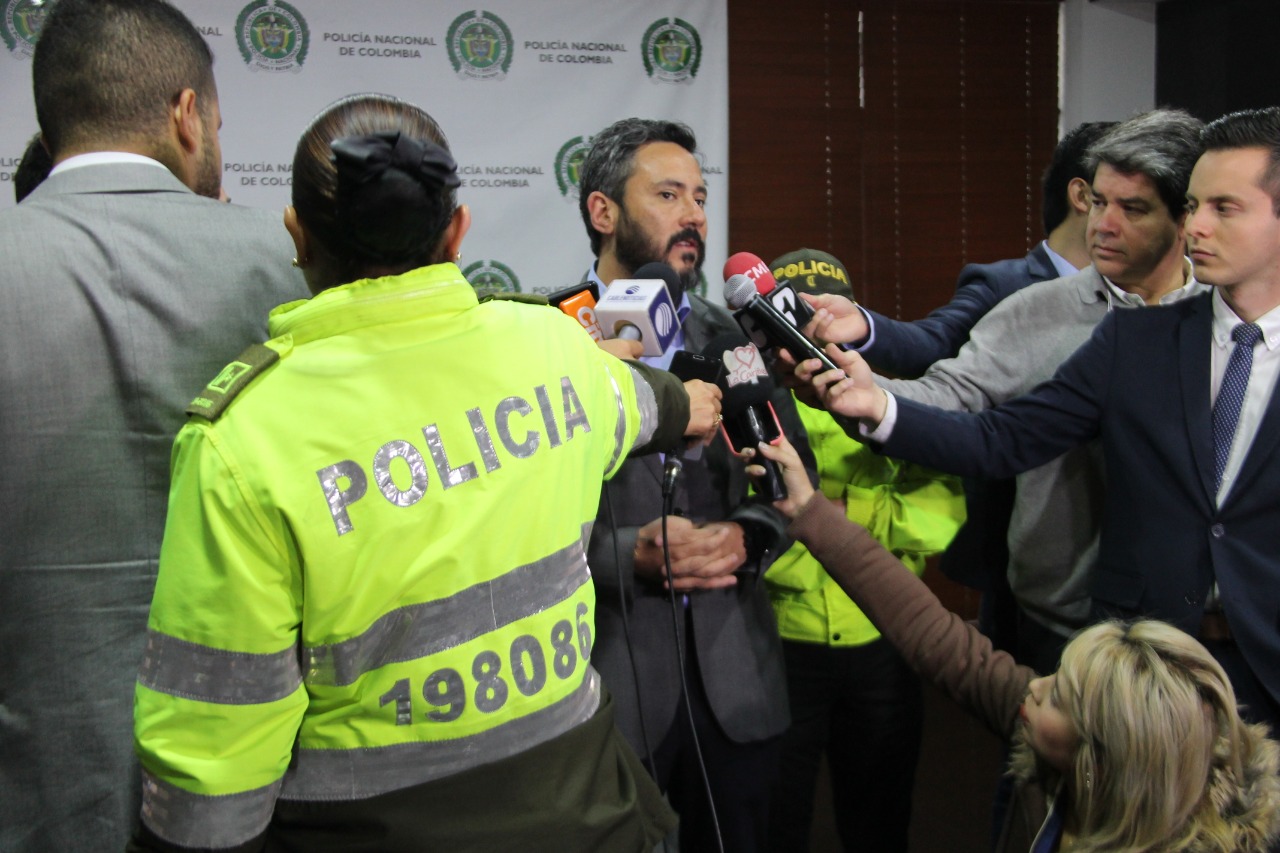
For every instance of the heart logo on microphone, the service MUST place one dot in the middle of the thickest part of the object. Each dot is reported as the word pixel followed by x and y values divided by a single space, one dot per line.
pixel 743 365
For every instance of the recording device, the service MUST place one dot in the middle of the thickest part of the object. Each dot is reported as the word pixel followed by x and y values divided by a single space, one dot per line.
pixel 760 320
pixel 641 309
pixel 749 417
pixel 579 302
pixel 692 365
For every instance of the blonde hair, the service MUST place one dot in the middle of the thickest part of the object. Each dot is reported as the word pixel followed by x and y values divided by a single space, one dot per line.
pixel 1164 762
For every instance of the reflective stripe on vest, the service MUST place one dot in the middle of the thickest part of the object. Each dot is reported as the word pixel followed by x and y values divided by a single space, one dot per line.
pixel 355 774
pixel 191 820
pixel 192 671
pixel 196 820
pixel 427 691
pixel 647 403
pixel 413 632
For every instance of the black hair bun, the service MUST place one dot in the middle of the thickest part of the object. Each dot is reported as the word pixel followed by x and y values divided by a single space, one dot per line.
pixel 394 195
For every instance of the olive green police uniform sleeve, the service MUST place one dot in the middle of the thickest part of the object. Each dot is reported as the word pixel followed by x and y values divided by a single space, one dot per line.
pixel 672 408
pixel 219 697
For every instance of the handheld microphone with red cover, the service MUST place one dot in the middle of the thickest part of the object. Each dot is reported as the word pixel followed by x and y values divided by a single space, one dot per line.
pixel 579 302
pixel 641 309
pixel 782 296
pixel 763 319
pixel 749 417
pixel 745 263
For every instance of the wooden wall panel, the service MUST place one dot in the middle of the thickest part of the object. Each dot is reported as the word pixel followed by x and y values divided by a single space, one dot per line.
pixel 906 137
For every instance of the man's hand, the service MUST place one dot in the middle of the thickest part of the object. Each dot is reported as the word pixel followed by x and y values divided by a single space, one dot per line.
pixel 704 410
pixel 622 348
pixel 849 391
pixel 836 320
pixel 702 556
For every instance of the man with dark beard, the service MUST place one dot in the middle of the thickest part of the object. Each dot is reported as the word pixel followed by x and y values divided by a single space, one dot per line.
pixel 641 198
pixel 125 287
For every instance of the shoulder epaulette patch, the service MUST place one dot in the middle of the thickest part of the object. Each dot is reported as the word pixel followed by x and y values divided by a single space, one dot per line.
pixel 233 379
pixel 528 298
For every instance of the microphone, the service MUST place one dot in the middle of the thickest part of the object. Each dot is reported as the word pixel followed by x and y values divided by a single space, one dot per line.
pixel 641 309
pixel 793 309
pixel 579 302
pixel 760 319
pixel 749 417
pixel 745 263
pixel 670 473
pixel 669 277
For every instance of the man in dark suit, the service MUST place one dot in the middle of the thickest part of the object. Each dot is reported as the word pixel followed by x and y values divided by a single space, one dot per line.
pixel 1183 399
pixel 642 197
pixel 123 291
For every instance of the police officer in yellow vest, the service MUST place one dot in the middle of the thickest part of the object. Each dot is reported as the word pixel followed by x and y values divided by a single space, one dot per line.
pixel 373 622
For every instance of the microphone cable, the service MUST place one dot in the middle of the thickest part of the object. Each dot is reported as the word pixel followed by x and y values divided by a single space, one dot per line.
pixel 626 635
pixel 671 472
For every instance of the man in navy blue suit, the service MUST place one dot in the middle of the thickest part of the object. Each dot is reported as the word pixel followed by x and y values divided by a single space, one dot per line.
pixel 1183 400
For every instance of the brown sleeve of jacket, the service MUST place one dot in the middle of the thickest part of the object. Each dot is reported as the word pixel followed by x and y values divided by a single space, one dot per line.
pixel 936 643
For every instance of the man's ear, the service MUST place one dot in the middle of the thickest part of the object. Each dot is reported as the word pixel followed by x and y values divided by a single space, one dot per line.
pixel 187 123
pixel 1080 195
pixel 603 212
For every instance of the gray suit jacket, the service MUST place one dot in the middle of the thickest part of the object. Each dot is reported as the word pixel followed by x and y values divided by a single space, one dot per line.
pixel 735 635
pixel 121 294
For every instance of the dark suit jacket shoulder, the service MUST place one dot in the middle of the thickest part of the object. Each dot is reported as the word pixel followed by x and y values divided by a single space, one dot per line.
pixel 908 348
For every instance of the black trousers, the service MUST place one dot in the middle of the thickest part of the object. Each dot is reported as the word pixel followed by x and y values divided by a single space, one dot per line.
pixel 864 708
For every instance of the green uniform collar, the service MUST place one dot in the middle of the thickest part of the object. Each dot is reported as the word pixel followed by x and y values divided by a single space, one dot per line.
pixel 350 306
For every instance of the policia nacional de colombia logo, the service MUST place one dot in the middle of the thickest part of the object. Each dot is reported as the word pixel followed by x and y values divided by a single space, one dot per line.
pixel 672 51
pixel 489 277
pixel 272 36
pixel 479 46
pixel 569 165
pixel 22 22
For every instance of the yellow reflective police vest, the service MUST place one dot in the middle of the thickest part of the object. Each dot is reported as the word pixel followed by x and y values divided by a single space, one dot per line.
pixel 374 560
pixel 911 510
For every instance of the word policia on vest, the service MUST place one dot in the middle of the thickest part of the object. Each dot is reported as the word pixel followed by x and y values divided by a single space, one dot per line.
pixel 340 498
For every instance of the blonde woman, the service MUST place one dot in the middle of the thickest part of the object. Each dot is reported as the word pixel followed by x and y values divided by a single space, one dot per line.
pixel 1134 744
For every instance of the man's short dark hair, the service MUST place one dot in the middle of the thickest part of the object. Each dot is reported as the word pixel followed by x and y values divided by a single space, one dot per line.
pixel 1068 163
pixel 33 168
pixel 109 70
pixel 608 164
pixel 1250 129
pixel 1162 144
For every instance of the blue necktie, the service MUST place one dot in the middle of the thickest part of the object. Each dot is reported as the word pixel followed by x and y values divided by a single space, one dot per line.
pixel 1226 409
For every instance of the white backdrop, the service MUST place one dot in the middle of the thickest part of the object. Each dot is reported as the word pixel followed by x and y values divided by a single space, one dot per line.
pixel 519 87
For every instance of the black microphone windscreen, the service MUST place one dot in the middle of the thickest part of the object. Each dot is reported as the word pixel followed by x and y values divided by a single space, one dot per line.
pixel 746 380
pixel 657 270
